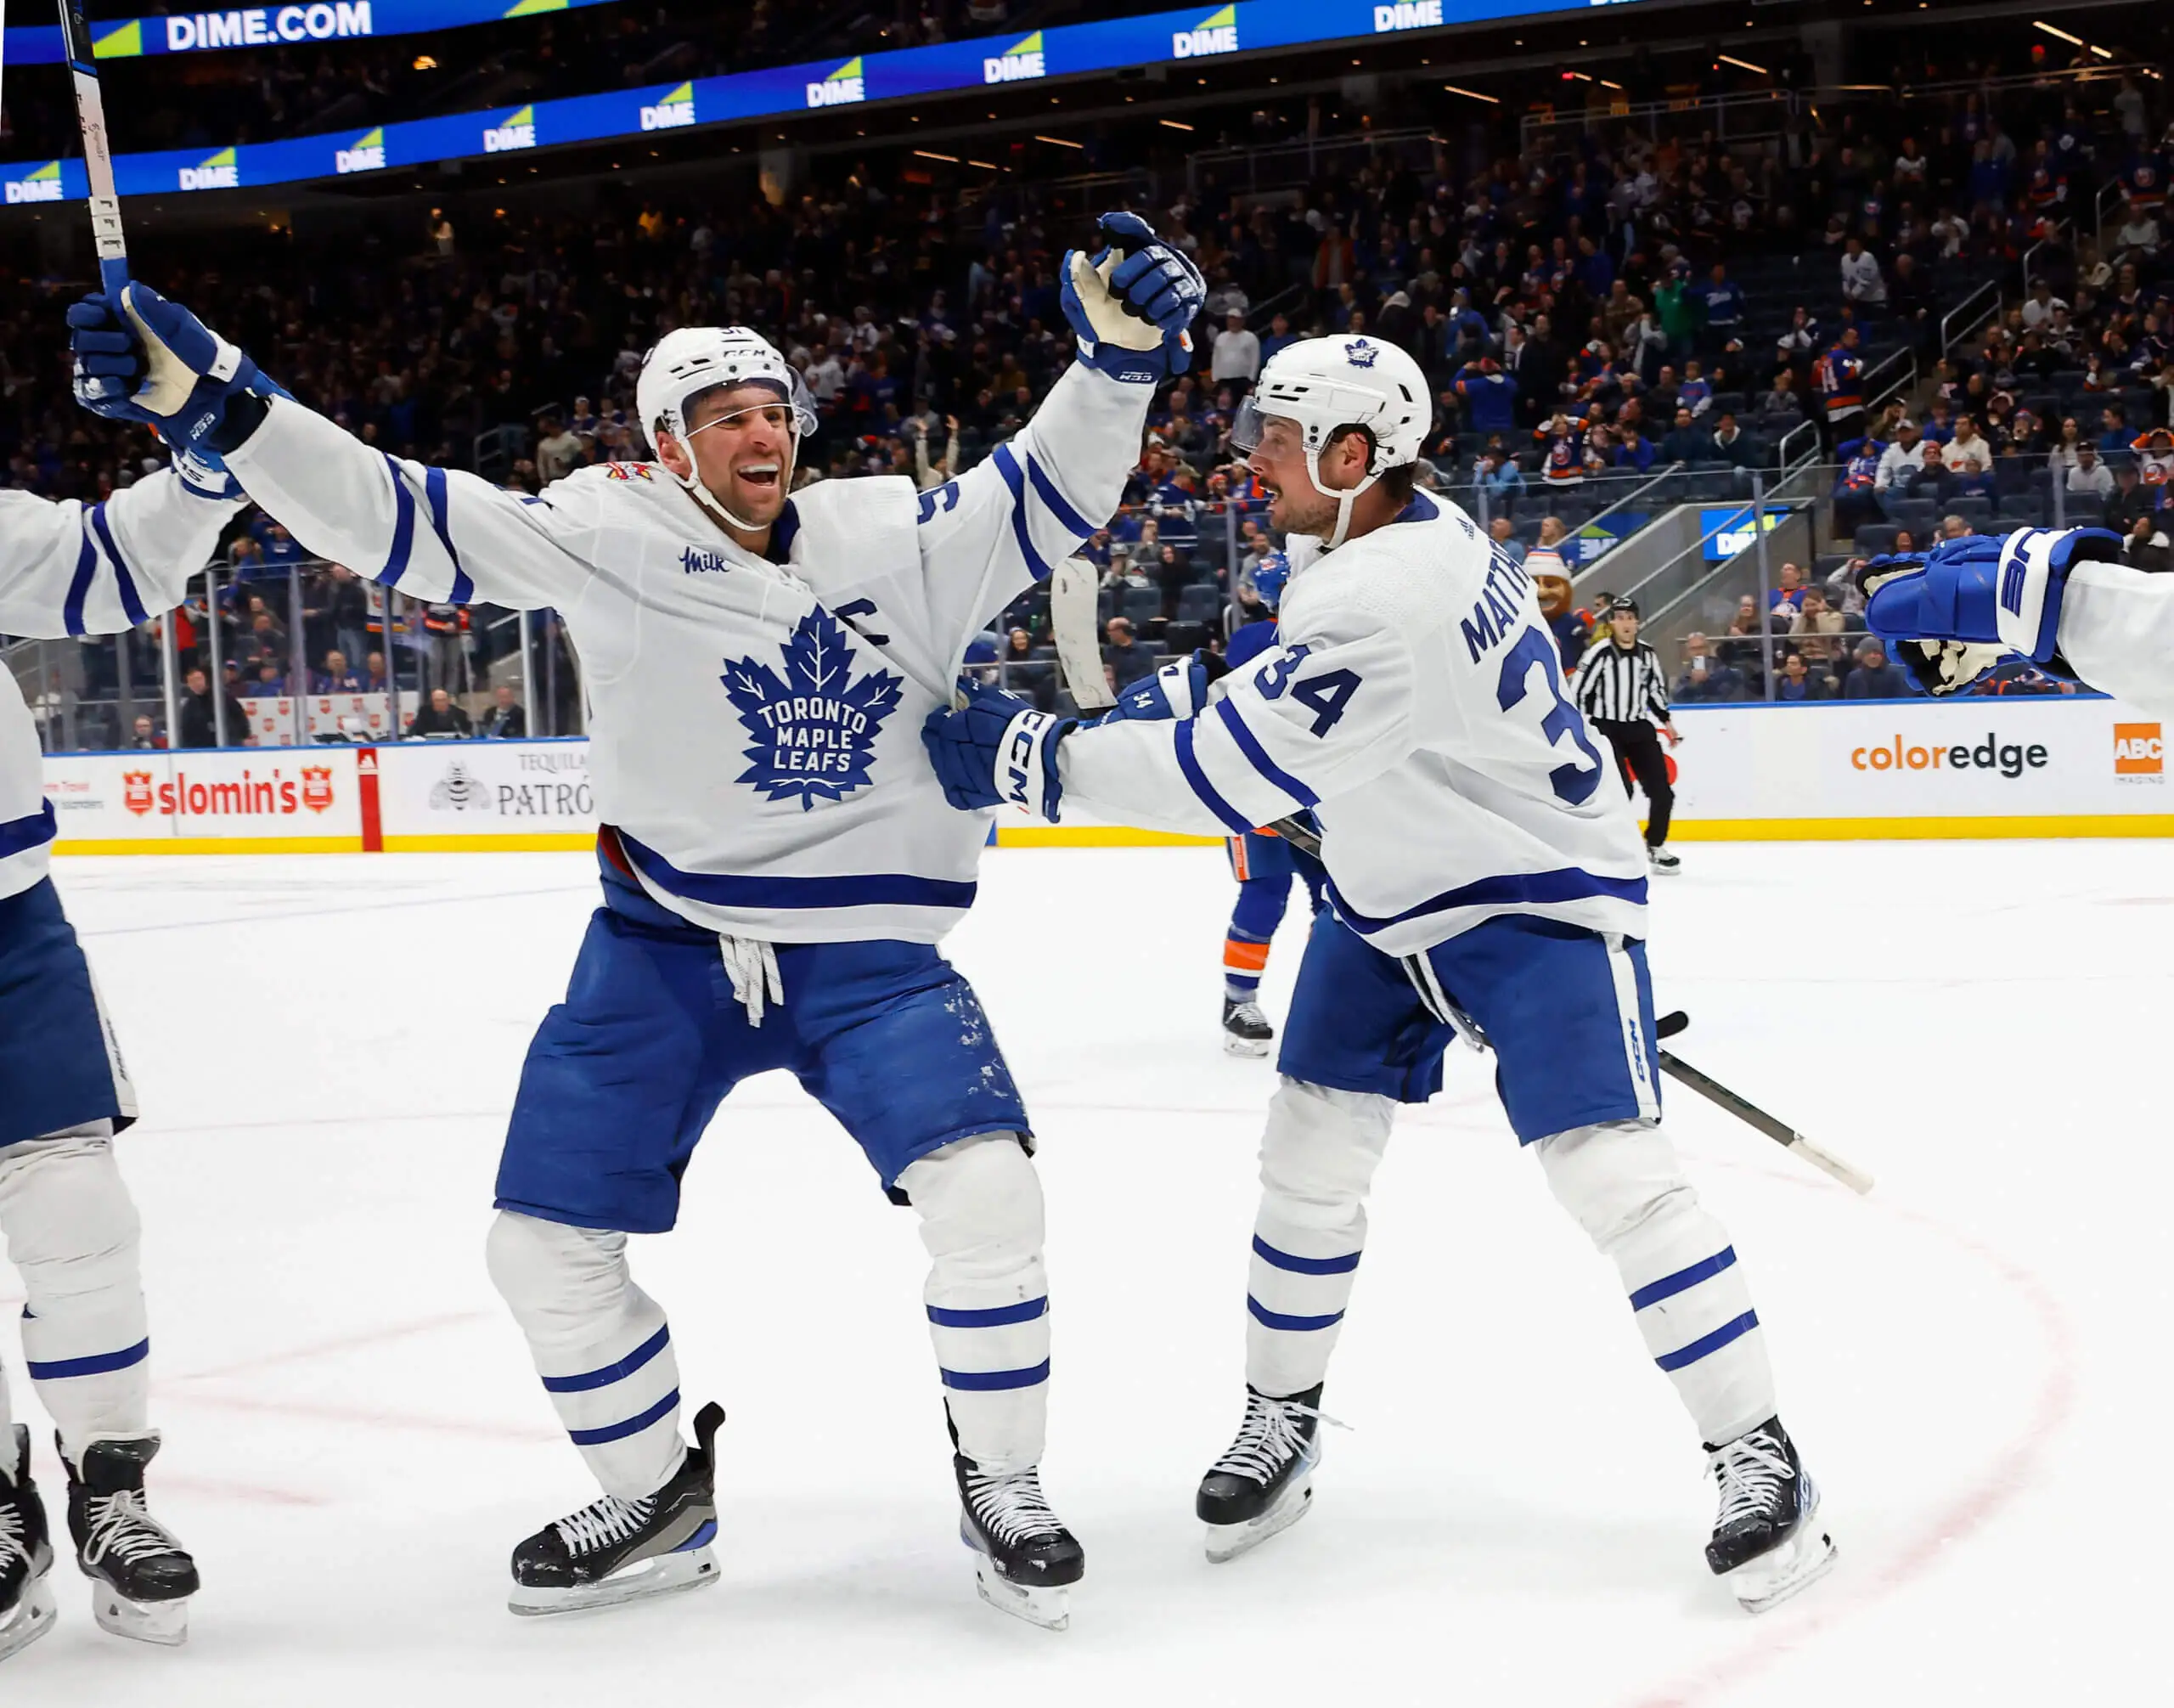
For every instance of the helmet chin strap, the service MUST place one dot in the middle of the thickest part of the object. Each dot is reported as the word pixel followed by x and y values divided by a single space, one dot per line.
pixel 1344 500
pixel 710 501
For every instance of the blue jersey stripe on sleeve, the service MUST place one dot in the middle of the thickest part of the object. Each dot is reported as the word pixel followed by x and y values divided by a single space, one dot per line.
pixel 433 493
pixel 1197 779
pixel 404 530
pixel 1257 756
pixel 39 828
pixel 1059 506
pixel 130 602
pixel 79 588
pixel 1008 466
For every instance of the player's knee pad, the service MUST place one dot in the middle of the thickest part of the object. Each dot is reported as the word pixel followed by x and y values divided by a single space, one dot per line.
pixel 1615 1177
pixel 561 1282
pixel 980 1202
pixel 1319 1150
pixel 72 1227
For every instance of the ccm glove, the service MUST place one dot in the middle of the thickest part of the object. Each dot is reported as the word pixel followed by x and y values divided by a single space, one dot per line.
pixel 1131 302
pixel 146 359
pixel 1179 690
pixel 995 749
pixel 1970 602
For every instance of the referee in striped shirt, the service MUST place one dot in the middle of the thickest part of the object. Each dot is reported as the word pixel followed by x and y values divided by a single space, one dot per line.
pixel 1623 689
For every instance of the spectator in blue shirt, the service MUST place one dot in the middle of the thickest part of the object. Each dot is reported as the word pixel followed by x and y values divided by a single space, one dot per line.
pixel 1874 678
pixel 1632 452
pixel 1722 299
pixel 1500 479
pixel 2115 436
pixel 1489 397
pixel 1279 335
pixel 1799 681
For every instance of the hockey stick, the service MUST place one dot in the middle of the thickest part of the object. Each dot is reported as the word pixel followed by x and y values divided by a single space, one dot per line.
pixel 1750 1113
pixel 98 149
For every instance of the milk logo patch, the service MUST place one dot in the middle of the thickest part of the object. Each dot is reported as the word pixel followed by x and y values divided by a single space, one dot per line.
pixel 1360 353
pixel 813 729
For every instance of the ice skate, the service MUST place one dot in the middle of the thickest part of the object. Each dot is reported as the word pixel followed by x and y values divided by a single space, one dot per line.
pixel 1246 1030
pixel 1264 1483
pixel 141 1578
pixel 1664 862
pixel 615 1550
pixel 27 1603
pixel 1768 1542
pixel 1023 1558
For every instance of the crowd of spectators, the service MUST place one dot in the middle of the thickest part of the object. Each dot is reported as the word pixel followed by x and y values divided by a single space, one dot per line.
pixel 1600 303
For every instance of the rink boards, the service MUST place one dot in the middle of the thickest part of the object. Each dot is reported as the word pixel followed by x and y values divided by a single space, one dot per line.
pixel 2070 766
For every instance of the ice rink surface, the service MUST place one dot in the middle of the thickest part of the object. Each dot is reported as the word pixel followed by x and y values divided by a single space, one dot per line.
pixel 1973 1359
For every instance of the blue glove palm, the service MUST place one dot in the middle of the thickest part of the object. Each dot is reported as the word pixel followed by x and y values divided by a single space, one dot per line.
pixel 1131 302
pixel 150 360
pixel 996 750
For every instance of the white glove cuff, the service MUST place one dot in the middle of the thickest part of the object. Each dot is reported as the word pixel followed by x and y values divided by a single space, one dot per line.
pixel 2026 600
pixel 1021 780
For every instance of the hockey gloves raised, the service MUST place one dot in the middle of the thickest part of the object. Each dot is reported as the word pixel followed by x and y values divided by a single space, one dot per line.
pixel 147 359
pixel 1967 604
pixel 1130 302
pixel 996 750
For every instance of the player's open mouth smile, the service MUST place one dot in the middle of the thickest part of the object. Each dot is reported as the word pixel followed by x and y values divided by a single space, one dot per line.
pixel 758 474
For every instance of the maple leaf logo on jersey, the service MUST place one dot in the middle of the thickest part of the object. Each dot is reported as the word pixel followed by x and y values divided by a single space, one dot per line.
pixel 814 728
pixel 1362 354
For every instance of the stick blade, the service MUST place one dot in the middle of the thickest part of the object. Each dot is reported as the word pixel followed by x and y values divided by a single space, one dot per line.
pixel 1073 621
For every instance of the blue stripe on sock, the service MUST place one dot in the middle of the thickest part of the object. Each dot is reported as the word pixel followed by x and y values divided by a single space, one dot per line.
pixel 995 1381
pixel 1303 1265
pixel 1299 1325
pixel 633 1426
pixel 1712 1343
pixel 1670 1285
pixel 609 1374
pixel 98 1364
pixel 995 1317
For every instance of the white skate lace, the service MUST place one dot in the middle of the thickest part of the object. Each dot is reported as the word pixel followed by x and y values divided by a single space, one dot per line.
pixel 1752 1469
pixel 1249 1014
pixel 1269 1438
pixel 11 1546
pixel 1011 1508
pixel 604 1524
pixel 119 1529
pixel 753 967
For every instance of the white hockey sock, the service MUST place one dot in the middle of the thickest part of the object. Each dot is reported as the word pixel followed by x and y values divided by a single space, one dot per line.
pixel 600 1344
pixel 73 1233
pixel 1625 1187
pixel 1317 1159
pixel 988 1297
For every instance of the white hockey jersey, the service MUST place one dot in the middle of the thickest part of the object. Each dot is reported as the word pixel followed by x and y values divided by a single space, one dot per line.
pixel 1416 704
pixel 2117 633
pixel 754 726
pixel 68 569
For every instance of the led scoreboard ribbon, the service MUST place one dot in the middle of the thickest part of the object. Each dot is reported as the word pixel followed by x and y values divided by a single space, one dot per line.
pixel 273 26
pixel 1156 39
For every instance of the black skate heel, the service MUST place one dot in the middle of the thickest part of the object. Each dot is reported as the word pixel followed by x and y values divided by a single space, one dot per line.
pixel 1768 1542
pixel 26 1601
pixel 1264 1483
pixel 615 1550
pixel 1024 1560
pixel 141 1578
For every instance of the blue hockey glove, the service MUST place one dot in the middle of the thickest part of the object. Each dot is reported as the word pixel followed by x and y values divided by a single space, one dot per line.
pixel 996 750
pixel 1178 690
pixel 147 359
pixel 1967 604
pixel 1131 302
pixel 1271 575
pixel 203 472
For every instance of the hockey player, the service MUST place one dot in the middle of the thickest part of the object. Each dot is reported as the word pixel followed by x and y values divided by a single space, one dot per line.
pixel 1484 876
pixel 779 865
pixel 70 569
pixel 2061 597
pixel 1261 861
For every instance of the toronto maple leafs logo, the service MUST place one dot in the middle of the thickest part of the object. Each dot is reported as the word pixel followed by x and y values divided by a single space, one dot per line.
pixel 1360 353
pixel 813 728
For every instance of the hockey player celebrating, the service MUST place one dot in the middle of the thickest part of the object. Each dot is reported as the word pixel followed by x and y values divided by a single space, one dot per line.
pixel 779 868
pixel 2062 598
pixel 70 569
pixel 1261 861
pixel 1483 877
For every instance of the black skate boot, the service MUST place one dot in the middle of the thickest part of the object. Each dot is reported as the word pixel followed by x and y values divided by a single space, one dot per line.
pixel 613 1550
pixel 1023 1558
pixel 1246 1030
pixel 27 1605
pixel 1768 1541
pixel 141 1578
pixel 1264 1483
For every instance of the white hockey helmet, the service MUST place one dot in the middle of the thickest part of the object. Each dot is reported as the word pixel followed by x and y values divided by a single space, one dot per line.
pixel 690 360
pixel 1324 385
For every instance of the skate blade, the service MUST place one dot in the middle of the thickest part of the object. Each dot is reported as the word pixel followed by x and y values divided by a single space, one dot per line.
pixel 664 1574
pixel 1233 1045
pixel 32 1617
pixel 1807 1556
pixel 1048 1608
pixel 1228 1541
pixel 163 1622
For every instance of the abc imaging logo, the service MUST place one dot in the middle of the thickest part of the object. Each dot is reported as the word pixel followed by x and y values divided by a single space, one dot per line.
pixel 2139 755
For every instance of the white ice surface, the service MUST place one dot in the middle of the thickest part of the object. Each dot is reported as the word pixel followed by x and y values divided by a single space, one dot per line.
pixel 1974 1359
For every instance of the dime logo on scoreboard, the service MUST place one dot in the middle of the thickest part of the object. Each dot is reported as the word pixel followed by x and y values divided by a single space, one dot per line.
pixel 1216 33
pixel 1408 14
pixel 367 154
pixel 42 185
pixel 1022 59
pixel 839 86
pixel 2139 754
pixel 223 170
pixel 518 131
pixel 676 108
